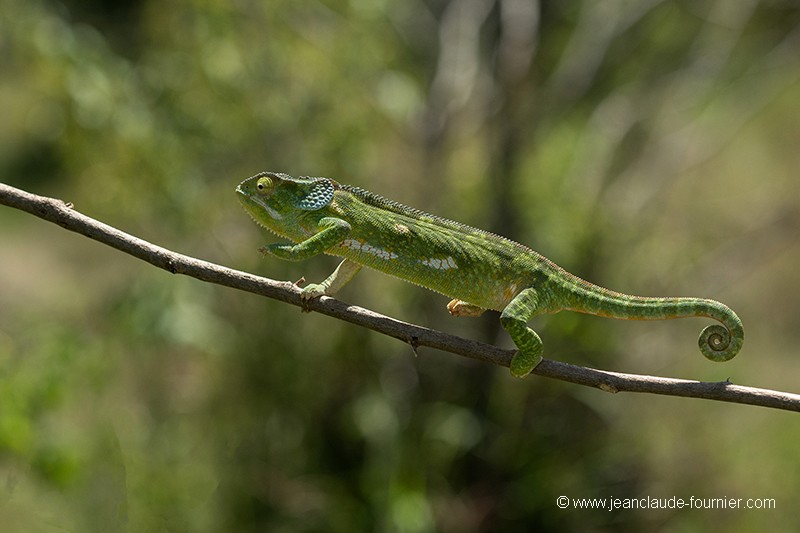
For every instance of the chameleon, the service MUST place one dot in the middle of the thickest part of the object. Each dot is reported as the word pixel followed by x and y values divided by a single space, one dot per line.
pixel 479 270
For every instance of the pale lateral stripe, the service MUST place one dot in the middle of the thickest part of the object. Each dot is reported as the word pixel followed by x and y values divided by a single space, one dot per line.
pixel 359 246
pixel 440 264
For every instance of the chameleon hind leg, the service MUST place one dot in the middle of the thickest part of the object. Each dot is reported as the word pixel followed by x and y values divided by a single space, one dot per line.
pixel 514 319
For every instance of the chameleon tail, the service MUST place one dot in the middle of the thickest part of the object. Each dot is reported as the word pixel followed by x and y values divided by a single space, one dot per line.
pixel 722 342
pixel 718 342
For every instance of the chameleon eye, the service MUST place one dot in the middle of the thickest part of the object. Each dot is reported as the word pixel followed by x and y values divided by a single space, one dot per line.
pixel 265 185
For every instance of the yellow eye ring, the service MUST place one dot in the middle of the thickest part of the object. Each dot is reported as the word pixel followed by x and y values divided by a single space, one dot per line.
pixel 265 185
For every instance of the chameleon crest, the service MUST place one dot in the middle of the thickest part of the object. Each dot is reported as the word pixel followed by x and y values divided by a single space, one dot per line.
pixel 478 269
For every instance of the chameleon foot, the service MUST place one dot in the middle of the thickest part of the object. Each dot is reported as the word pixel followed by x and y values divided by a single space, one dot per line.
pixel 309 292
pixel 524 362
pixel 462 308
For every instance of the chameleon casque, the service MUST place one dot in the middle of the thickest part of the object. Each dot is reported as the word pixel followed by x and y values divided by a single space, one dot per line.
pixel 478 269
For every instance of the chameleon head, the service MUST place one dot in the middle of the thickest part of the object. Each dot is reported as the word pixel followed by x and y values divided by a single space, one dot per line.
pixel 275 200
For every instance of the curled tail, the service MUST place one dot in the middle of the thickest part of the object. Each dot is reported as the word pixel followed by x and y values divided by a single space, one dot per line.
pixel 721 342
pixel 718 342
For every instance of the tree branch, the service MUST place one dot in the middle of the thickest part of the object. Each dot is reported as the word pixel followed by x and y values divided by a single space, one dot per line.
pixel 60 213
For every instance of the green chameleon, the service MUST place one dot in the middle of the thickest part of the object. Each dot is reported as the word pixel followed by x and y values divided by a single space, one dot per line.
pixel 478 269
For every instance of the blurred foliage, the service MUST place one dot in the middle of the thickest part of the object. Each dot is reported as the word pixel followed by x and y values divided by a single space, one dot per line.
pixel 648 145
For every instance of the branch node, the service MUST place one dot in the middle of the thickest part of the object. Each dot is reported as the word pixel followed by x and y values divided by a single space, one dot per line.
pixel 413 341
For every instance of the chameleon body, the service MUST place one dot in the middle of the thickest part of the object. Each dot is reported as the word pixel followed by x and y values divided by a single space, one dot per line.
pixel 478 269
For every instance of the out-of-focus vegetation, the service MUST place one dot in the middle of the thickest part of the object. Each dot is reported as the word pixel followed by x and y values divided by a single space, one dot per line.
pixel 650 146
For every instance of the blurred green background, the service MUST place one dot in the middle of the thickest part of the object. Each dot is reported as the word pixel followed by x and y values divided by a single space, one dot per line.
pixel 649 146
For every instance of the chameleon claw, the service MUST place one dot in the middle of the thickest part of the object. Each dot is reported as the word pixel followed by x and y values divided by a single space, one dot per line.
pixel 304 304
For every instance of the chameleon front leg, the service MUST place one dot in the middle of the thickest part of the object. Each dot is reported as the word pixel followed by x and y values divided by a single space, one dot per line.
pixel 332 232
pixel 514 319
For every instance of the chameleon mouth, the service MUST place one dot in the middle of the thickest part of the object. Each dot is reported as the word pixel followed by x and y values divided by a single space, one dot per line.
pixel 254 205
pixel 259 212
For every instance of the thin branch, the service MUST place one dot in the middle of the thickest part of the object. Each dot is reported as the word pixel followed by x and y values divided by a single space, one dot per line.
pixel 60 213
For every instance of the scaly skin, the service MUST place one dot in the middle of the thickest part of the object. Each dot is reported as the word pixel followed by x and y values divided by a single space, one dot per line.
pixel 478 269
